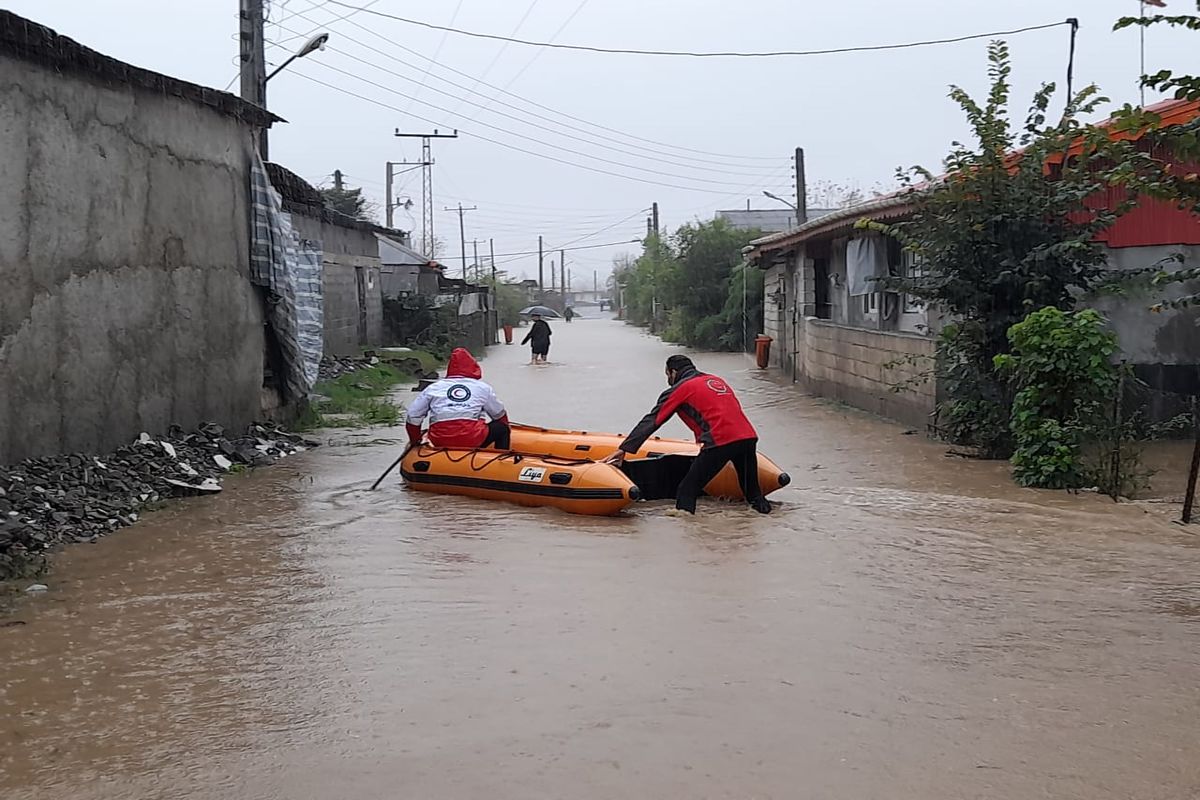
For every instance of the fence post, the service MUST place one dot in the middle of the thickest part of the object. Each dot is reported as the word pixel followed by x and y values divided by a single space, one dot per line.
pixel 1115 488
pixel 1190 498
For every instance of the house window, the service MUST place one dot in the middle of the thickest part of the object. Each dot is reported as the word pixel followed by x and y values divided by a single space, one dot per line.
pixel 870 302
pixel 913 266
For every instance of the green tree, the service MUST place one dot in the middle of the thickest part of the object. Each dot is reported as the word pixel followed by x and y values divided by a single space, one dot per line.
pixel 349 202
pixel 1062 368
pixel 1004 233
pixel 698 288
pixel 742 317
pixel 648 280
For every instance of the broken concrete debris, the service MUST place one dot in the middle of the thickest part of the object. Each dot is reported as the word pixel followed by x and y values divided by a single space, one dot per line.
pixel 75 497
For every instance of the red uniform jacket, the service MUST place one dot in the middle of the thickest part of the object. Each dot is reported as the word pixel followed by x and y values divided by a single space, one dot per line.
pixel 705 403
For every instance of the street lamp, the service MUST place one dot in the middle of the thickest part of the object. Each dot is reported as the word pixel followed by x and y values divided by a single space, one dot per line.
pixel 312 45
pixel 787 203
pixel 315 43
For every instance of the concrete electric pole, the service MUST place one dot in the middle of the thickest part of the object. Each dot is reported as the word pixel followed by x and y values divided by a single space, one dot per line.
pixel 801 189
pixel 462 233
pixel 254 63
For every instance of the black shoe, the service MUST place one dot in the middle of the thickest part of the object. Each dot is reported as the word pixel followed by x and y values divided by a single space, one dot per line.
pixel 762 505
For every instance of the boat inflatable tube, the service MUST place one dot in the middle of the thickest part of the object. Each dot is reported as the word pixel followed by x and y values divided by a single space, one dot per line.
pixel 574 485
pixel 656 468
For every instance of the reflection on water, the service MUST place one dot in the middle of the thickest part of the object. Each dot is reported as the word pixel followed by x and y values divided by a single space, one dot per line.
pixel 905 625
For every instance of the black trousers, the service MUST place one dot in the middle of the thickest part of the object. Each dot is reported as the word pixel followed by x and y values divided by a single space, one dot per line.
pixel 743 454
pixel 499 435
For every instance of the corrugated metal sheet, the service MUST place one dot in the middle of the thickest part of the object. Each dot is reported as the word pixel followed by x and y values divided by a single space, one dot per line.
pixel 1153 222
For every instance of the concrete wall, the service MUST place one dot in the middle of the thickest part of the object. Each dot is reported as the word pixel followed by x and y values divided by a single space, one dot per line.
pixel 861 368
pixel 1170 337
pixel 774 314
pixel 351 283
pixel 125 303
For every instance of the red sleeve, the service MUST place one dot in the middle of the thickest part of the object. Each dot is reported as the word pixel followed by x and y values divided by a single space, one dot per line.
pixel 668 402
pixel 414 432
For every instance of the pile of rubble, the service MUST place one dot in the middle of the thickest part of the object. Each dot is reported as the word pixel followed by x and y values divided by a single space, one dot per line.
pixel 334 367
pixel 73 498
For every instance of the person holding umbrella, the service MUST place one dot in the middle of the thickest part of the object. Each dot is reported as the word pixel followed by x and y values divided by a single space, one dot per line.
pixel 538 339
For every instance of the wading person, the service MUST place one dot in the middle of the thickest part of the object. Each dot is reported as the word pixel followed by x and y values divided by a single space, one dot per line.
pixel 538 339
pixel 456 406
pixel 710 409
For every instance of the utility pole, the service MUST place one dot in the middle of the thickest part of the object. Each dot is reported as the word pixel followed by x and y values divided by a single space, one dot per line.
pixel 462 233
pixel 492 258
pixel 254 64
pixel 553 277
pixel 562 276
pixel 654 217
pixel 801 189
pixel 541 276
pixel 475 248
pixel 387 202
pixel 426 164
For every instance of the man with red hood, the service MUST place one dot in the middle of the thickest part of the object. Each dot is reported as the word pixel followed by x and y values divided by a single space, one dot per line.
pixel 456 406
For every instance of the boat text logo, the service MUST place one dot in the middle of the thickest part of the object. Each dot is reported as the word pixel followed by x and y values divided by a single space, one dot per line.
pixel 531 475
pixel 459 393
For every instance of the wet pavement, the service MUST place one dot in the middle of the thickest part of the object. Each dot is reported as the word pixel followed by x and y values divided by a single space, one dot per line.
pixel 906 625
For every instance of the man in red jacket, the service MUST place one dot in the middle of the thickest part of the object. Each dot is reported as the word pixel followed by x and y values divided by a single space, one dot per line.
pixel 456 406
pixel 708 406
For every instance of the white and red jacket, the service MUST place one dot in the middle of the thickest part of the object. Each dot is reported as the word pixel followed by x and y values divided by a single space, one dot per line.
pixel 456 406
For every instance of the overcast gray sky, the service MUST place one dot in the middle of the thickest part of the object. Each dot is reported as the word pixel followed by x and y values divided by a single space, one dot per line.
pixel 718 131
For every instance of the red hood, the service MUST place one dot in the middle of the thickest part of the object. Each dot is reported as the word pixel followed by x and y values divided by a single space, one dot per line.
pixel 462 365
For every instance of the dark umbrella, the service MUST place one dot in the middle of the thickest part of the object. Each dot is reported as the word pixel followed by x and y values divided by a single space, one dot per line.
pixel 541 311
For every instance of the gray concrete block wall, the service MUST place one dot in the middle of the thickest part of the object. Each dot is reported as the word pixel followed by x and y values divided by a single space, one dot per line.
pixel 341 309
pixel 124 260
pixel 864 368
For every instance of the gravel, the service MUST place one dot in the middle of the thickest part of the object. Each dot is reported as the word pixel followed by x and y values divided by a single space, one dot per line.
pixel 78 498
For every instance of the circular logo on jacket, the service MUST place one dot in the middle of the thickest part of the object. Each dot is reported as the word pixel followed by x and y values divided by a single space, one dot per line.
pixel 459 393
pixel 717 385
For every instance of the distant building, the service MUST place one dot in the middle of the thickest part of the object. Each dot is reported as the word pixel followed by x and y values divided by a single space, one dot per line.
pixel 767 220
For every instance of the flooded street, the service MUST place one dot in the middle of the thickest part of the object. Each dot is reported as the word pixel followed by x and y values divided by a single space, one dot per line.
pixel 905 626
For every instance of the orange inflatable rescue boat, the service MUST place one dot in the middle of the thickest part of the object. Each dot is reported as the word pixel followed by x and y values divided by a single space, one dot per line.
pixel 657 468
pixel 575 485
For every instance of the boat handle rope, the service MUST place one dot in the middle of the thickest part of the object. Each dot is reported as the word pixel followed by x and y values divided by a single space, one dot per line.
pixel 425 451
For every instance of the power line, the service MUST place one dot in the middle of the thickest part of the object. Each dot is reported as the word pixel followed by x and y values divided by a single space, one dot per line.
pixel 709 54
pixel 570 249
pixel 504 46
pixel 437 52
pixel 605 229
pixel 355 11
pixel 538 54
pixel 662 157
pixel 533 103
pixel 325 65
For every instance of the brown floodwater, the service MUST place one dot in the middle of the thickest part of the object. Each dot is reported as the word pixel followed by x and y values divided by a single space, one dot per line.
pixel 905 626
